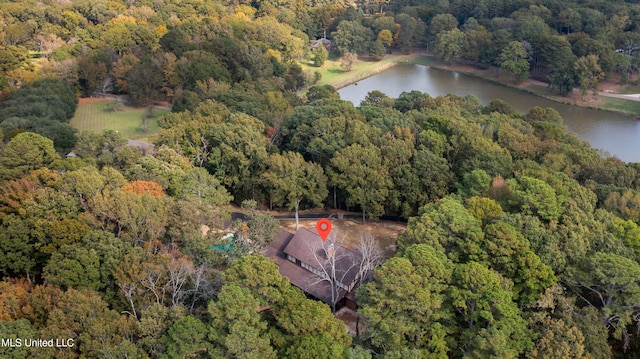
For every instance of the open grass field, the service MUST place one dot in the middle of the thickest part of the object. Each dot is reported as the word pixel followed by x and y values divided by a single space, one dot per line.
pixel 92 116
pixel 334 75
pixel 627 106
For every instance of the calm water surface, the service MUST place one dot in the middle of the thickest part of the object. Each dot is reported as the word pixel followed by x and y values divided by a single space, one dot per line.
pixel 615 133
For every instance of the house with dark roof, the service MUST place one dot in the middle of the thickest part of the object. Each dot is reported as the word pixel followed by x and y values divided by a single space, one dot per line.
pixel 324 270
pixel 321 42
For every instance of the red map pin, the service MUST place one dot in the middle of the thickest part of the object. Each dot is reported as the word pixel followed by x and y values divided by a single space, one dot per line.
pixel 323 227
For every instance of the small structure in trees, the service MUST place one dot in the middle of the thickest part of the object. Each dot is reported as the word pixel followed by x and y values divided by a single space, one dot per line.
pixel 326 43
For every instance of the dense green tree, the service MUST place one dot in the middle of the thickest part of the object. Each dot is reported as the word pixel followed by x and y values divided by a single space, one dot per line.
pixel 479 46
pixel 608 282
pixel 405 304
pixel 145 83
pixel 410 32
pixel 83 316
pixel 141 217
pixel 554 53
pixel 17 247
pixel 323 137
pixel 318 92
pixel 509 254
pixel 448 227
pixel 559 341
pixel 377 98
pixel 490 323
pixel 418 175
pixel 306 115
pixel 483 208
pixel 474 183
pixel 351 36
pixel 231 146
pixel 284 321
pixel 49 99
pixel 360 172
pixel 294 77
pixel 17 333
pixel 320 55
pixel 291 180
pixel 188 338
pixel 514 61
pixel 238 152
pixel 198 65
pixel 13 57
pixel 376 50
pixel 198 184
pixel 588 72
pixel 449 45
pixel 534 196
pixel 442 23
pixel 500 106
pixel 558 323
pixel 26 152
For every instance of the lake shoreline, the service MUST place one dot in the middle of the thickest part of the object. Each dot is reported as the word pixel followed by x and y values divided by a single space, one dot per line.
pixel 531 86
pixel 614 132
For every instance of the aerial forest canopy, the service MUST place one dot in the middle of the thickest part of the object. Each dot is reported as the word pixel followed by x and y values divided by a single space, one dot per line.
pixel 521 240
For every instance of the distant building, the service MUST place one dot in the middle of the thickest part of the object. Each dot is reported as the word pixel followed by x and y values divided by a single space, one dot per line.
pixel 323 41
pixel 309 263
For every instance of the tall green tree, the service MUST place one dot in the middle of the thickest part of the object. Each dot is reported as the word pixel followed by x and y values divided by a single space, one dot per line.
pixel 188 338
pixel 534 196
pixel 26 152
pixel 589 73
pixel 360 172
pixel 293 180
pixel 513 60
pixel 449 45
pixel 608 282
pixel 320 55
pixel 406 304
pixel 351 36
pixel 448 227
pixel 490 323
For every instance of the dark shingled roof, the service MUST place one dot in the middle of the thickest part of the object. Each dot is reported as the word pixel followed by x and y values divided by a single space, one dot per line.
pixel 306 246
pixel 309 282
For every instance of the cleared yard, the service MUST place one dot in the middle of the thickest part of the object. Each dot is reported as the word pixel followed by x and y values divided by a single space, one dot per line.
pixel 92 116
pixel 348 231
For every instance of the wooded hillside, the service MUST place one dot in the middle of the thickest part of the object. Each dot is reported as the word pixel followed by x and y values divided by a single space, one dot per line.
pixel 521 241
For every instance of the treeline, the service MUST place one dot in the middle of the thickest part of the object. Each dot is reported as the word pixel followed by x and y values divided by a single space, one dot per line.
pixel 45 107
pixel 246 55
pixel 153 50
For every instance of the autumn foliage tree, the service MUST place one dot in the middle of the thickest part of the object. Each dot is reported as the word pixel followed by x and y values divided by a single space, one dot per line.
pixel 142 187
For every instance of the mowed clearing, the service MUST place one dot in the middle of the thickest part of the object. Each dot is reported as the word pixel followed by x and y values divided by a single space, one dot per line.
pixel 348 231
pixel 92 116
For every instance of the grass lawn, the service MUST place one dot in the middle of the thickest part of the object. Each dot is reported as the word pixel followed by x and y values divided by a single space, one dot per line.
pixel 632 107
pixel 334 75
pixel 91 116
pixel 630 89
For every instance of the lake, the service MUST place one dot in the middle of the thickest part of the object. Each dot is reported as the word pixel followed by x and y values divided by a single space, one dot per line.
pixel 618 134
